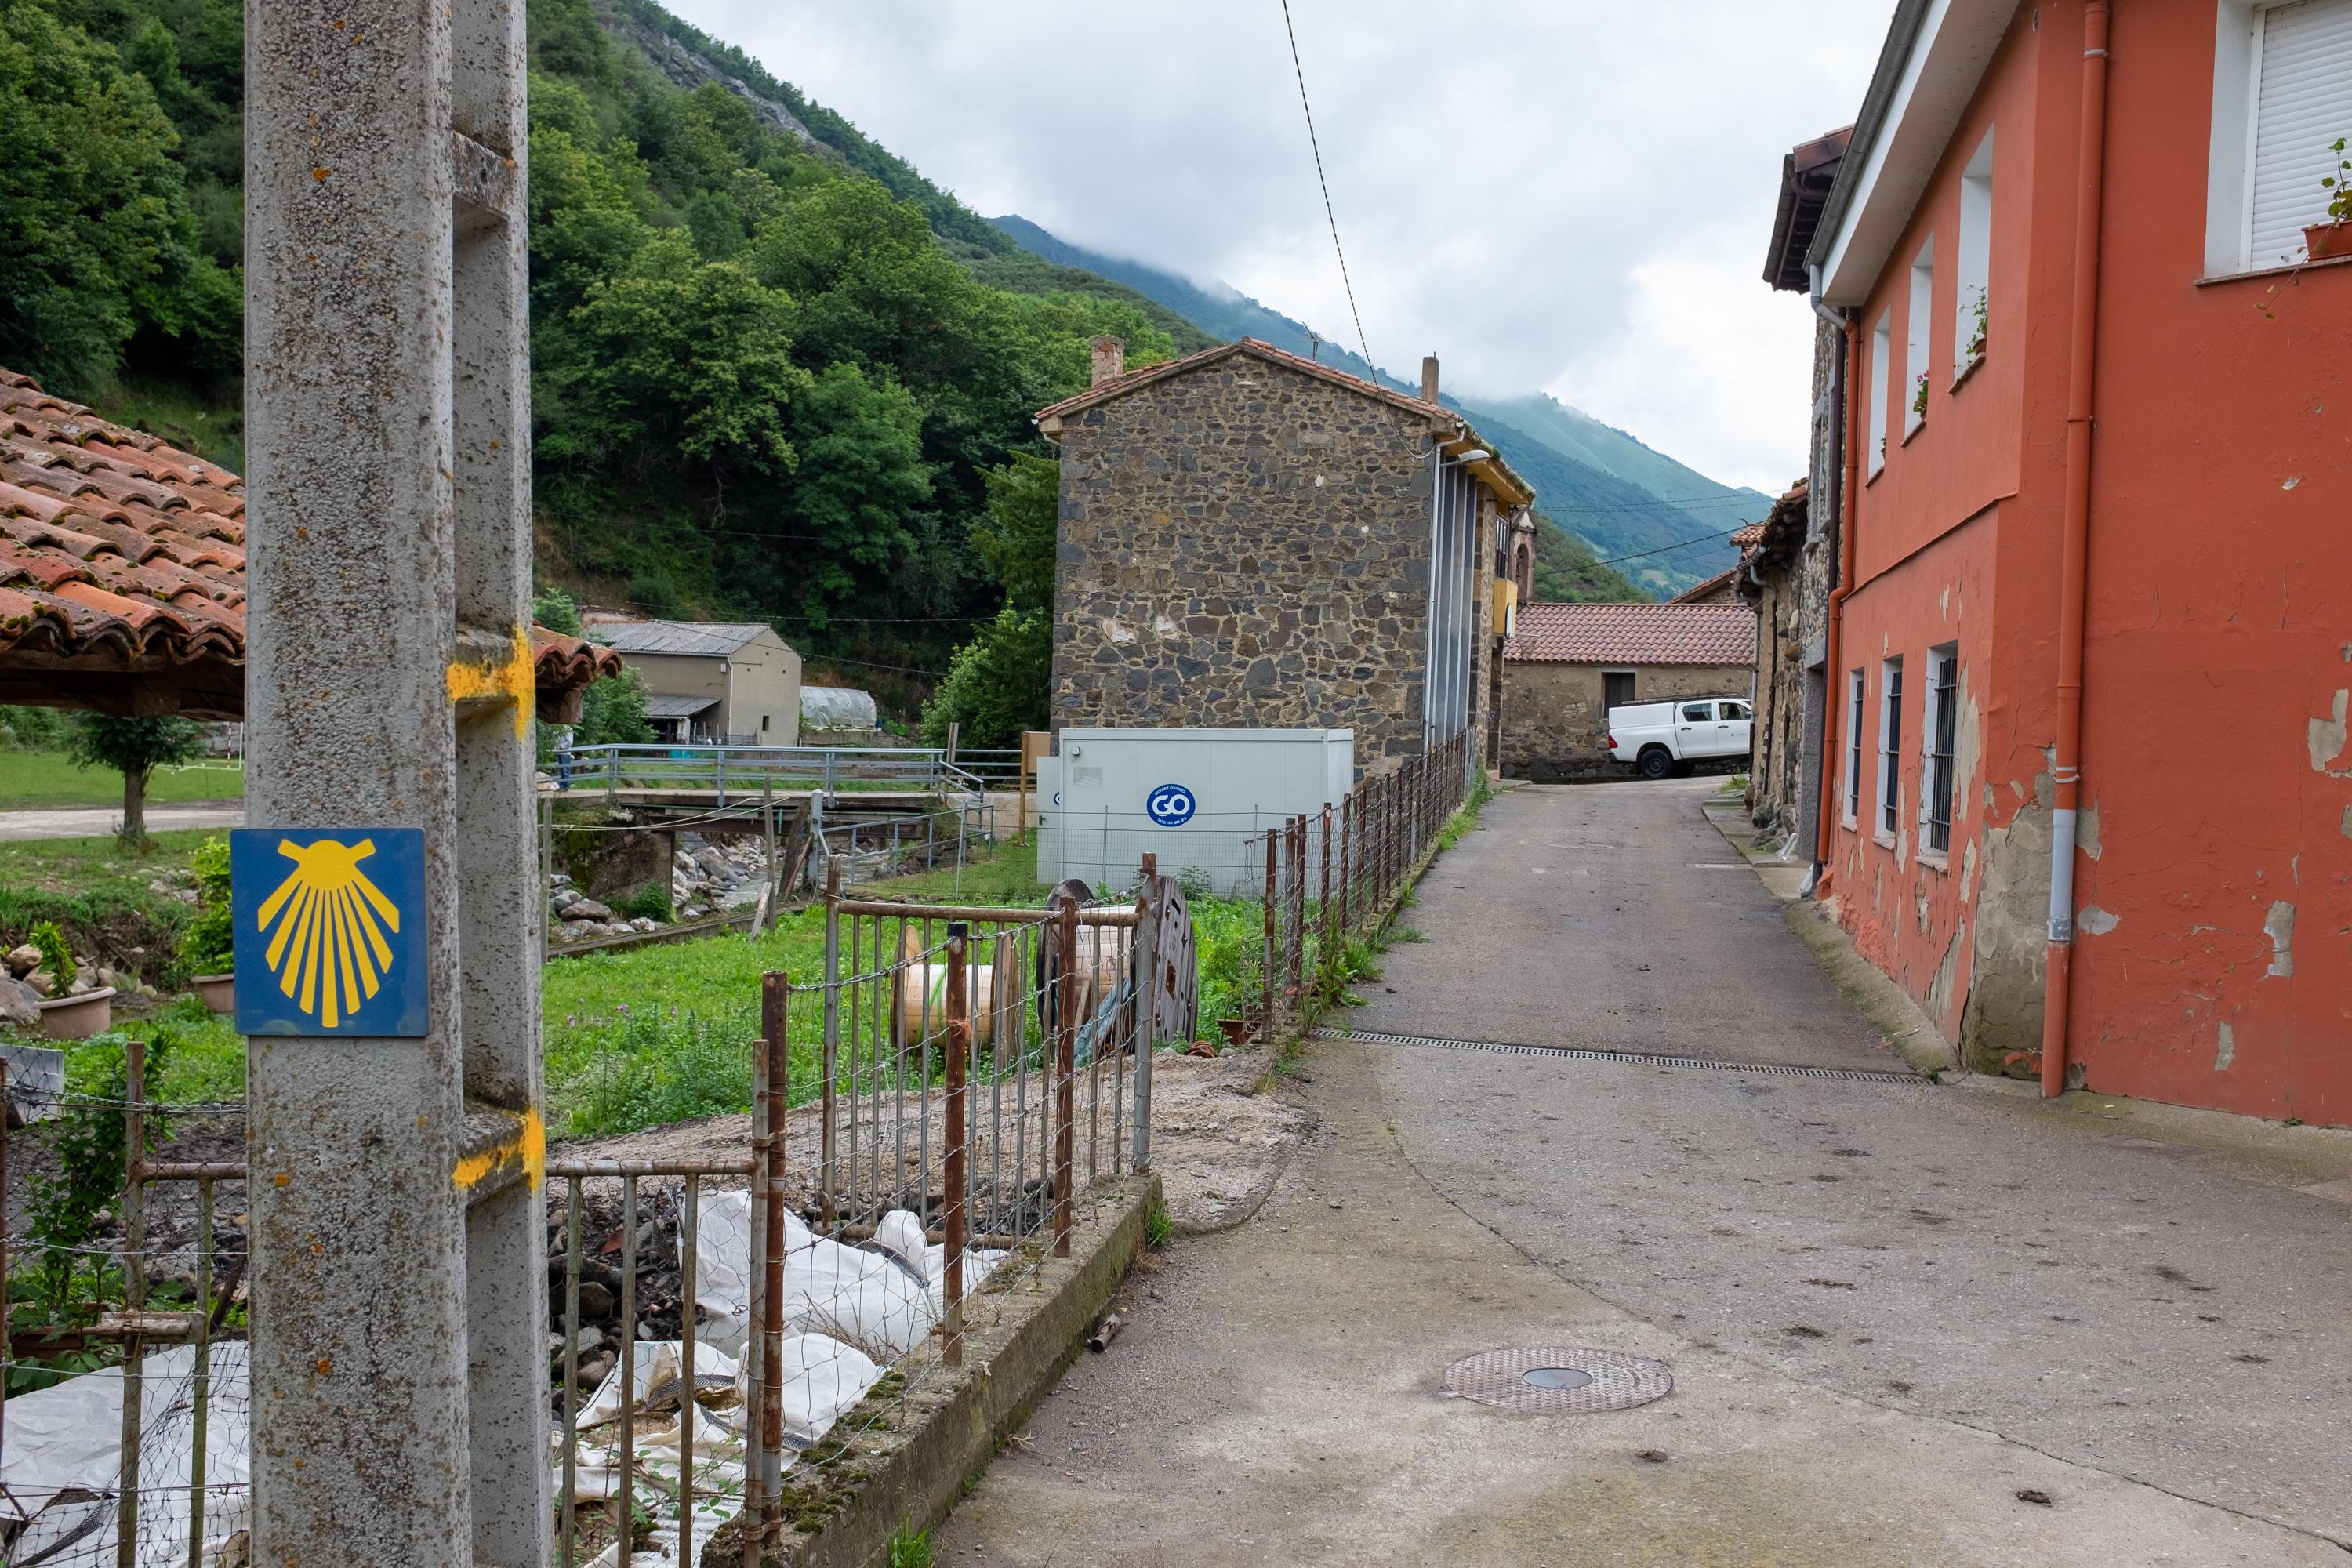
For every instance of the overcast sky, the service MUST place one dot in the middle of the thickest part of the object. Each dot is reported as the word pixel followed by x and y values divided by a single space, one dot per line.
pixel 1562 195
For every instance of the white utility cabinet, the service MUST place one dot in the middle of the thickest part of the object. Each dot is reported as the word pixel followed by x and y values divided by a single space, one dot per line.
pixel 1194 798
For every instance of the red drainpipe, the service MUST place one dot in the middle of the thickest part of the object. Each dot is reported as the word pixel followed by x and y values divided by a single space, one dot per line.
pixel 2081 354
pixel 1857 429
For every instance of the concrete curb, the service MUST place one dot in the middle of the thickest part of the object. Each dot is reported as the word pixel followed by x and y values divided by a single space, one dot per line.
pixel 912 1454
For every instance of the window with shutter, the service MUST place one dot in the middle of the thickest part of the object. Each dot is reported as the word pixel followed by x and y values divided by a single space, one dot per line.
pixel 2302 101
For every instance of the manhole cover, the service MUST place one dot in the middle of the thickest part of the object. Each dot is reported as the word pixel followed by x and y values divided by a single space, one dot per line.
pixel 1557 1381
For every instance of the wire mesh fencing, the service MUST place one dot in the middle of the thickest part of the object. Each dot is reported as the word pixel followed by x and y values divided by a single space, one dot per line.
pixel 123 1415
pixel 975 1069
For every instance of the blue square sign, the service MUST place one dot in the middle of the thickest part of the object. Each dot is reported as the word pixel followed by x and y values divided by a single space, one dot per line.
pixel 329 930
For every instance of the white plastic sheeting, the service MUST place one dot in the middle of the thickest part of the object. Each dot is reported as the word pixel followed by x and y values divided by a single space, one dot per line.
pixel 63 1461
pixel 848 1310
pixel 835 708
pixel 883 1297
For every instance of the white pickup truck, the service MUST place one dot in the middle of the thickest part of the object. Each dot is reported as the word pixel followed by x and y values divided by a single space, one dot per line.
pixel 1662 738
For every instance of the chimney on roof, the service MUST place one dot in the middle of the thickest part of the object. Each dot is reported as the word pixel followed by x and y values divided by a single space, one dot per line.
pixel 1429 378
pixel 1110 358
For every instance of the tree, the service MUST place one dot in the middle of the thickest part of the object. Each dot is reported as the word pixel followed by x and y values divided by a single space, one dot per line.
pixel 612 712
pixel 997 685
pixel 134 747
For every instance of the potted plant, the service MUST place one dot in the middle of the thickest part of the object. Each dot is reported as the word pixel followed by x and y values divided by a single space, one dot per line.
pixel 2326 241
pixel 66 1016
pixel 210 944
pixel 1919 398
pixel 1976 338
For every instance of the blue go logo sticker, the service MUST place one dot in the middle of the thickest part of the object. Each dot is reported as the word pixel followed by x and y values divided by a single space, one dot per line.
pixel 1169 805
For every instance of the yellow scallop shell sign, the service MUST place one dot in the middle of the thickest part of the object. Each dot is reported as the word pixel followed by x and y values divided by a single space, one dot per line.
pixel 330 929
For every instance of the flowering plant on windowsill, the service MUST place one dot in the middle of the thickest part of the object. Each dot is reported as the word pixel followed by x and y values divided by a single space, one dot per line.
pixel 2325 241
pixel 1977 339
pixel 1919 398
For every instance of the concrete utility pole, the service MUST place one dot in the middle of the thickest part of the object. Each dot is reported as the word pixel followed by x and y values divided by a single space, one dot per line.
pixel 398 1285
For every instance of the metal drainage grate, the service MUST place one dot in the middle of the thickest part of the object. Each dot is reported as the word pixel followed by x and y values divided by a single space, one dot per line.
pixel 1642 1059
pixel 1553 1380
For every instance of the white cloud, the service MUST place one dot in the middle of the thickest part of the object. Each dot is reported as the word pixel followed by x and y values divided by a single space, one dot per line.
pixel 1562 195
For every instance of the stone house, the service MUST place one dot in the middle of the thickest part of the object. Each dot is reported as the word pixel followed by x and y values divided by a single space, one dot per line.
pixel 1568 665
pixel 729 682
pixel 1251 540
pixel 1720 589
pixel 1771 578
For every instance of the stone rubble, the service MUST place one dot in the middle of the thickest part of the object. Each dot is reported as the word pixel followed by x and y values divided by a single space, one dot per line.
pixel 706 876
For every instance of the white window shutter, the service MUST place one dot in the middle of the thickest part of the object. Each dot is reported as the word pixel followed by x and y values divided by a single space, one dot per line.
pixel 2302 103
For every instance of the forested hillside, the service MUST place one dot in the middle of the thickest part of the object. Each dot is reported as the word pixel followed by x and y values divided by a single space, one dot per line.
pixel 773 367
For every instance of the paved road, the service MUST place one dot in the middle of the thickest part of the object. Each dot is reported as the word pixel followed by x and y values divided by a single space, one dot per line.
pixel 1890 1309
pixel 91 822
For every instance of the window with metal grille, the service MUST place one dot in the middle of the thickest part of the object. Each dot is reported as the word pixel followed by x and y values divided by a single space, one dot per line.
pixel 1890 745
pixel 1854 747
pixel 1943 707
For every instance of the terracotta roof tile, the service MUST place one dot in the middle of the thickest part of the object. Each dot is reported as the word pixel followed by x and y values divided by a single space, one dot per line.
pixel 116 545
pixel 1634 633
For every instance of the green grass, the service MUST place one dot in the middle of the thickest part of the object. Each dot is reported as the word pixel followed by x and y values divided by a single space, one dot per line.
pixel 910 1548
pixel 104 900
pixel 33 779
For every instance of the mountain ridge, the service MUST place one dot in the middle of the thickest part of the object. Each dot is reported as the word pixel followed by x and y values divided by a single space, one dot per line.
pixel 1609 488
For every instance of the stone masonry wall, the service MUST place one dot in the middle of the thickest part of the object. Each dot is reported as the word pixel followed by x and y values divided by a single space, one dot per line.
pixel 1553 722
pixel 1245 546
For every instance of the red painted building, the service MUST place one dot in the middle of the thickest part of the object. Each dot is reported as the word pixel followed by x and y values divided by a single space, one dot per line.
pixel 2097 439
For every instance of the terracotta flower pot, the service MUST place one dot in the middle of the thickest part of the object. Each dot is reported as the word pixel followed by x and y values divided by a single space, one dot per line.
pixel 2326 241
pixel 78 1017
pixel 217 991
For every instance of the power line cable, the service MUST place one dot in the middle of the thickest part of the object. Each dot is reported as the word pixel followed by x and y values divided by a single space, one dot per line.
pixel 1663 549
pixel 1361 341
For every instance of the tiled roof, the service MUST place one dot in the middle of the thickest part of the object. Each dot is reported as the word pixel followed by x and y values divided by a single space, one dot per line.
pixel 1119 385
pixel 1634 633
pixel 119 552
pixel 1747 536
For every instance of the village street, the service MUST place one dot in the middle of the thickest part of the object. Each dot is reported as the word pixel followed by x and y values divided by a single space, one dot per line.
pixel 1906 1325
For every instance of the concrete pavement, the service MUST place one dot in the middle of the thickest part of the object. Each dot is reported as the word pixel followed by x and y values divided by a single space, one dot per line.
pixel 1897 1315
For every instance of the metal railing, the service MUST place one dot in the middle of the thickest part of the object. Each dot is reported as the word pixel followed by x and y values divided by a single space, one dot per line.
pixel 746 771
pixel 963 1074
pixel 1338 873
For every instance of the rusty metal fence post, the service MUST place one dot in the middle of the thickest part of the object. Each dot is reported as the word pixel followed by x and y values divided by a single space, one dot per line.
pixel 1323 906
pixel 1065 1049
pixel 768 1164
pixel 952 1231
pixel 1298 914
pixel 1272 892
pixel 135 1298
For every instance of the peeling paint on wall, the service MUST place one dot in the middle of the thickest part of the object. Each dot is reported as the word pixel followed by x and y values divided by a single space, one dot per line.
pixel 1968 862
pixel 2011 957
pixel 1940 990
pixel 2225 1048
pixel 2280 924
pixel 2326 736
pixel 2095 922
pixel 2087 831
pixel 2347 822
